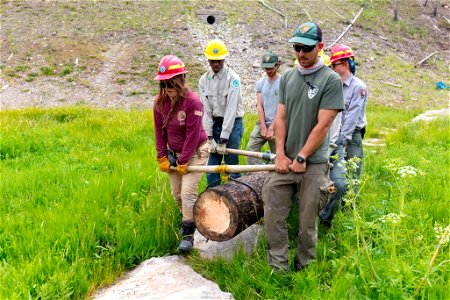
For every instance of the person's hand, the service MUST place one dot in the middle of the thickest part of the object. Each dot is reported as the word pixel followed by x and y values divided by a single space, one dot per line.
pixel 222 149
pixel 270 133
pixel 164 164
pixel 297 167
pixel 212 145
pixel 282 164
pixel 182 169
pixel 264 131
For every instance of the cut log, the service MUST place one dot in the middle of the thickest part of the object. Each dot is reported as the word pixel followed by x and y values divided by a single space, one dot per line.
pixel 222 212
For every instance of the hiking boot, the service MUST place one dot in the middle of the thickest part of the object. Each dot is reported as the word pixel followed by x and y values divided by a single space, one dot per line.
pixel 187 243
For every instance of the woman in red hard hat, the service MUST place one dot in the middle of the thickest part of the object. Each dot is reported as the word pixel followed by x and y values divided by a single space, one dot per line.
pixel 181 140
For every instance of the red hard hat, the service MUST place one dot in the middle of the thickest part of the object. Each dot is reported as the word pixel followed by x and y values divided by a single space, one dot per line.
pixel 340 51
pixel 170 66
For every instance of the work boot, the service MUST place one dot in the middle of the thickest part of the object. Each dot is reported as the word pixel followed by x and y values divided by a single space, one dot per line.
pixel 187 243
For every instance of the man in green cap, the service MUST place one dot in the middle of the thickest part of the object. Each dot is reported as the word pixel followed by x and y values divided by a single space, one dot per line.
pixel 266 103
pixel 310 97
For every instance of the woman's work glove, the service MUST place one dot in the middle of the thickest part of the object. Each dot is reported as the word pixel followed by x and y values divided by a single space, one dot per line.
pixel 182 169
pixel 212 145
pixel 164 164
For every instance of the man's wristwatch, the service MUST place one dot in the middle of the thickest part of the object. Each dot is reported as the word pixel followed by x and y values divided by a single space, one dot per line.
pixel 300 159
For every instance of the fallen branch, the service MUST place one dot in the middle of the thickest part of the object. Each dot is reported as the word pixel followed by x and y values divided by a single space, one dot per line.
pixel 391 84
pixel 448 21
pixel 348 27
pixel 278 12
pixel 425 59
pixel 306 12
pixel 339 15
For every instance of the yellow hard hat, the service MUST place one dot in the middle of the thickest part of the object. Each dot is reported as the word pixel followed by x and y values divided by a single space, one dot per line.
pixel 326 58
pixel 216 50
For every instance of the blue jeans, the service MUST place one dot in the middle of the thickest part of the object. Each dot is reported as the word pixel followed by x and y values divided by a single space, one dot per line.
pixel 234 142
pixel 337 175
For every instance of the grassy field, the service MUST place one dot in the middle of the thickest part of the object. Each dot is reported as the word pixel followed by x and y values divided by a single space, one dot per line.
pixel 82 200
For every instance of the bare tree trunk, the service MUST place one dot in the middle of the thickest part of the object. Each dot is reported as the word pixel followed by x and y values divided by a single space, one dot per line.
pixel 395 10
pixel 425 3
pixel 436 4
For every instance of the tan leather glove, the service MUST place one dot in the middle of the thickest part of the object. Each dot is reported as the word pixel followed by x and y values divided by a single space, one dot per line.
pixel 164 164
pixel 182 169
pixel 221 149
pixel 212 145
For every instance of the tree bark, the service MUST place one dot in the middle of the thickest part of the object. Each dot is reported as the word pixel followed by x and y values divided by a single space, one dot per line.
pixel 222 212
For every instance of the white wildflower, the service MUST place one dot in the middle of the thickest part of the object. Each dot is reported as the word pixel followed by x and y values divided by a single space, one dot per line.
pixel 391 218
pixel 442 234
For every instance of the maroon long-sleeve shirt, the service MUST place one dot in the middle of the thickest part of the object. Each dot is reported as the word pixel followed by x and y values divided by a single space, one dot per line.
pixel 184 133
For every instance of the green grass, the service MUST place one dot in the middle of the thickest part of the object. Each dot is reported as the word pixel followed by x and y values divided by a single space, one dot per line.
pixel 364 265
pixel 82 201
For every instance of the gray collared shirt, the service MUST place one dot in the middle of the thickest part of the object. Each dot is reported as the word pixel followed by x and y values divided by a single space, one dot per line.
pixel 355 100
pixel 221 97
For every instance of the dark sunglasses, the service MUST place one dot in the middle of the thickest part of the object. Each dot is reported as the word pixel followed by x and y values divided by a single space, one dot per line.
pixel 306 49
pixel 166 84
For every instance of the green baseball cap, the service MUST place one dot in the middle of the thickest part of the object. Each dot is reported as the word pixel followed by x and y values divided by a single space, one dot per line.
pixel 269 60
pixel 307 34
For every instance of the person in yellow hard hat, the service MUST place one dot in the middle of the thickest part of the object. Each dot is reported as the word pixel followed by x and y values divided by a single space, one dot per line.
pixel 220 92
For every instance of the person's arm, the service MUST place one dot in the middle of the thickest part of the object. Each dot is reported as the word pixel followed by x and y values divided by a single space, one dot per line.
pixel 208 113
pixel 193 128
pixel 261 115
pixel 234 97
pixel 352 114
pixel 334 133
pixel 160 134
pixel 282 162
pixel 315 139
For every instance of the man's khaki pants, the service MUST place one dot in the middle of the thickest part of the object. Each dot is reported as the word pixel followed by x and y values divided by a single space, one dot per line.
pixel 278 194
pixel 185 187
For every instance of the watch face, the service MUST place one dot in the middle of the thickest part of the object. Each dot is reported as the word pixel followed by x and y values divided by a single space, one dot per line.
pixel 300 159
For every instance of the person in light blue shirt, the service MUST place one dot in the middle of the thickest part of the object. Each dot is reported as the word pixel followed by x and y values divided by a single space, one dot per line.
pixel 266 102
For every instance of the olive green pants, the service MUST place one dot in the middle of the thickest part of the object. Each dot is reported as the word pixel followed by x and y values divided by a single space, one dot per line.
pixel 256 142
pixel 278 194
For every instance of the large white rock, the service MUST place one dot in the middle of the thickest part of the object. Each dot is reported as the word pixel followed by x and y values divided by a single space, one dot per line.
pixel 248 239
pixel 431 115
pixel 163 278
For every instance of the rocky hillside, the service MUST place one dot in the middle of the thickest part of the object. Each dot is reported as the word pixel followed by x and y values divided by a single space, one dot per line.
pixel 105 53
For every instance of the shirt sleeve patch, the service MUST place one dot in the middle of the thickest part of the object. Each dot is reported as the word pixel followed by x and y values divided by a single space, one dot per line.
pixel 236 83
pixel 198 113
pixel 363 93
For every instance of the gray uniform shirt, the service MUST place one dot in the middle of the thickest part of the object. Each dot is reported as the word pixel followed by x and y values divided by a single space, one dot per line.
pixel 269 94
pixel 355 100
pixel 221 97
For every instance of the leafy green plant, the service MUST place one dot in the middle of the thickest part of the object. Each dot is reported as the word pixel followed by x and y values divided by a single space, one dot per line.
pixel 47 71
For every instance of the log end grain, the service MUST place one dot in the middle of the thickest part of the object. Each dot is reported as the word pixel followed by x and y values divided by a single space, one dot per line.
pixel 215 216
